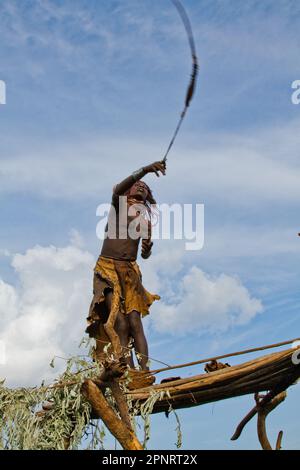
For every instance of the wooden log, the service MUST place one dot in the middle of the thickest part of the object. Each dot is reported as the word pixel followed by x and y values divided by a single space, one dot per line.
pixel 103 410
pixel 121 403
pixel 259 375
pixel 260 367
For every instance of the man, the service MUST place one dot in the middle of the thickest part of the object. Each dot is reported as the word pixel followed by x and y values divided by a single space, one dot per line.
pixel 120 299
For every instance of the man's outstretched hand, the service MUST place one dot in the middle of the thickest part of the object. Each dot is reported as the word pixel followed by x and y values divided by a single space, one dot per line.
pixel 156 167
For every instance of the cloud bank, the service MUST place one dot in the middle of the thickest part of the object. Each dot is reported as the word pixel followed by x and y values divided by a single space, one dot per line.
pixel 43 313
pixel 202 303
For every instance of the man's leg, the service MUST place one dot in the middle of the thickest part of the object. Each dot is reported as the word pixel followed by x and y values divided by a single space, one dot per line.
pixel 140 342
pixel 122 329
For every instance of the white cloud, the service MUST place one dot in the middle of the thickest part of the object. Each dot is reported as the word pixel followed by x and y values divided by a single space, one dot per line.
pixel 8 302
pixel 44 313
pixel 164 264
pixel 76 238
pixel 4 252
pixel 204 304
pixel 255 170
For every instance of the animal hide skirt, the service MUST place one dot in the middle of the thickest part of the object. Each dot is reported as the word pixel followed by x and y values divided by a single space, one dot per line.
pixel 124 280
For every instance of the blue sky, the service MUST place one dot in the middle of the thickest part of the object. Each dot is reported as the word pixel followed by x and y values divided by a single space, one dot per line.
pixel 94 90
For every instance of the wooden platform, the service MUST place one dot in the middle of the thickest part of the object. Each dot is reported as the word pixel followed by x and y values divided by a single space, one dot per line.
pixel 271 372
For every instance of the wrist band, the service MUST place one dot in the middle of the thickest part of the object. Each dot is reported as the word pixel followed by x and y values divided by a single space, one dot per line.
pixel 138 174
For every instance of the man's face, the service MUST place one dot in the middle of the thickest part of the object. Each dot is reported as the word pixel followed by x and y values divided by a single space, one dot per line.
pixel 139 191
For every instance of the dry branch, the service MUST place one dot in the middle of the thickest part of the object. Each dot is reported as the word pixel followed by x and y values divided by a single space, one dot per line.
pixel 263 412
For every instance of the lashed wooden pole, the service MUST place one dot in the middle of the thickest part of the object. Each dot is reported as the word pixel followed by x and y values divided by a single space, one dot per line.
pixel 271 372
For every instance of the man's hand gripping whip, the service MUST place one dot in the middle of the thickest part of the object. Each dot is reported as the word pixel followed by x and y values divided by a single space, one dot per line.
pixel 192 84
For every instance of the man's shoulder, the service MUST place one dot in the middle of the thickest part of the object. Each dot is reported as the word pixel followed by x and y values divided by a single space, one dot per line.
pixel 117 200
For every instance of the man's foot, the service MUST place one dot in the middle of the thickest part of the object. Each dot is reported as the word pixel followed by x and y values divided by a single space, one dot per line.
pixel 138 379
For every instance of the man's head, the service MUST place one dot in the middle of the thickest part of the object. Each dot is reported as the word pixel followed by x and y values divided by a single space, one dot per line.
pixel 139 191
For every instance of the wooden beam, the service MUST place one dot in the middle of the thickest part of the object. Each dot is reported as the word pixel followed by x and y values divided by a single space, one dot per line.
pixel 259 375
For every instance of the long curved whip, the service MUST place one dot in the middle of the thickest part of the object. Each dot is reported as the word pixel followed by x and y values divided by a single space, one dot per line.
pixel 192 84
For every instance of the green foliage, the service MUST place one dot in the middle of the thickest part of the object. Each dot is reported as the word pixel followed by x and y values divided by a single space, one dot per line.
pixel 146 409
pixel 58 416
pixel 25 425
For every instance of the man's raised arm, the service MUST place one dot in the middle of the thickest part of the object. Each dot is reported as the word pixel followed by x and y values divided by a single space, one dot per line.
pixel 126 184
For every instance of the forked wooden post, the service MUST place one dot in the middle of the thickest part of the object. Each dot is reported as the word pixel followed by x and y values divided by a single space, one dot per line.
pixel 263 411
